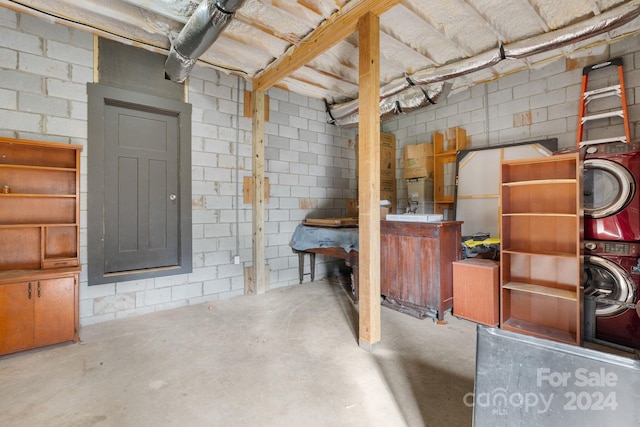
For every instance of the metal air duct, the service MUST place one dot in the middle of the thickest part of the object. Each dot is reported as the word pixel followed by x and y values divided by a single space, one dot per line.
pixel 410 99
pixel 201 30
pixel 403 94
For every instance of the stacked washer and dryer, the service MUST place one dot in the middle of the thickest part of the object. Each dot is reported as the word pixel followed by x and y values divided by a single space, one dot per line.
pixel 612 243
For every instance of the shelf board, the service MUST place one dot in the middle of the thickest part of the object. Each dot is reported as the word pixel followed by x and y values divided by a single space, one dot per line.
pixel 42 168
pixel 541 290
pixel 522 326
pixel 545 253
pixel 560 158
pixel 12 276
pixel 39 225
pixel 539 182
pixel 540 214
pixel 446 153
pixel 41 196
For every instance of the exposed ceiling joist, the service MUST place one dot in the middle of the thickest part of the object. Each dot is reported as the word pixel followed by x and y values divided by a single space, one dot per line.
pixel 298 11
pixel 109 27
pixel 400 56
pixel 165 9
pixel 594 7
pixel 288 33
pixel 312 7
pixel 535 14
pixel 336 28
pixel 267 30
pixel 324 80
pixel 483 19
pixel 422 57
pixel 438 29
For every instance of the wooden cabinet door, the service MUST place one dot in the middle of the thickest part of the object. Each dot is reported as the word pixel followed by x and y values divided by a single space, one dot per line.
pixel 54 311
pixel 16 316
pixel 409 263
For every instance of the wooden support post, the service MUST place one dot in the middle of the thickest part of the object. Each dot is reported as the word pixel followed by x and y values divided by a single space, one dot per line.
pixel 259 275
pixel 369 181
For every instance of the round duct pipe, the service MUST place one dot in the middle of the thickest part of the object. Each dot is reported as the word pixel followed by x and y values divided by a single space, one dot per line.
pixel 401 96
pixel 200 32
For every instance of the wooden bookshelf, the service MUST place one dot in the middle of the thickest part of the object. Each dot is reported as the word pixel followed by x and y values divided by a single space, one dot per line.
pixel 540 255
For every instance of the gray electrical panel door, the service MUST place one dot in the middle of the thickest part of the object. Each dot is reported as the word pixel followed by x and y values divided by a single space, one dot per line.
pixel 141 181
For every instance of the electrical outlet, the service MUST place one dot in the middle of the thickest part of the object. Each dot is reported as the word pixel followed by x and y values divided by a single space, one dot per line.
pixel 236 259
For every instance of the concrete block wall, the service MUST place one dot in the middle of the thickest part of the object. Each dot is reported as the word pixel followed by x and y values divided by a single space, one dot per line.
pixel 43 74
pixel 537 103
pixel 44 69
pixel 308 165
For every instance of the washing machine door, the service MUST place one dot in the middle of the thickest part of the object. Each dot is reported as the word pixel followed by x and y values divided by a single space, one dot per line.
pixel 608 188
pixel 607 279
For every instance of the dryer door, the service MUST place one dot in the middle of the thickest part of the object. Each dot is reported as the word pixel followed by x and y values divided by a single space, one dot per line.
pixel 608 188
pixel 607 279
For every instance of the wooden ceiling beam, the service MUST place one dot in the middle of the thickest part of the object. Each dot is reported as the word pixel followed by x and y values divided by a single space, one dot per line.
pixel 339 25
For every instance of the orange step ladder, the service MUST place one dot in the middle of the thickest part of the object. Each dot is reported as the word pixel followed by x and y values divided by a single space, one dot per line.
pixel 589 95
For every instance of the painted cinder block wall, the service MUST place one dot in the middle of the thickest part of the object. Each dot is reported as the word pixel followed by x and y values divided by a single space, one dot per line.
pixel 44 69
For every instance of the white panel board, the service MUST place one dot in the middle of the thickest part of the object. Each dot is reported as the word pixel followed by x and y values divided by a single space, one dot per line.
pixel 479 215
pixel 478 190
pixel 481 176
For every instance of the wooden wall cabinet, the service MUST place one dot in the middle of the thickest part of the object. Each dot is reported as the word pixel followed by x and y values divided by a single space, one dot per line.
pixel 39 243
pixel 445 152
pixel 416 266
pixel 38 311
pixel 541 266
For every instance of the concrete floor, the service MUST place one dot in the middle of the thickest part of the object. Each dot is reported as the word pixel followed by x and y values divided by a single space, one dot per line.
pixel 287 358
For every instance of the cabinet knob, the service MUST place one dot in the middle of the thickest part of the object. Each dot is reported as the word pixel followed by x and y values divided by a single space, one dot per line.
pixel 172 197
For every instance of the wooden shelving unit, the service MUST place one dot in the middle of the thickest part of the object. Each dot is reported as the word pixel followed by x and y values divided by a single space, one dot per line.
pixel 445 152
pixel 540 255
pixel 39 243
